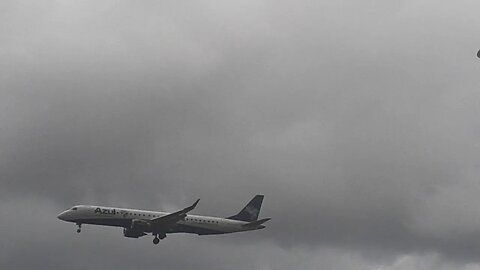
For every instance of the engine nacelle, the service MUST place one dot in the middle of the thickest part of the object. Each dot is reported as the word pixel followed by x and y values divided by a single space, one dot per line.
pixel 137 228
pixel 132 233
pixel 140 225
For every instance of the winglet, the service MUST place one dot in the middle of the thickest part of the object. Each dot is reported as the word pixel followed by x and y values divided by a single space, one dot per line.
pixel 191 207
pixel 195 203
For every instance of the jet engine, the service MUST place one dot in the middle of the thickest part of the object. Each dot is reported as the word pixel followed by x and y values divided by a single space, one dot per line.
pixel 132 233
pixel 140 225
pixel 137 228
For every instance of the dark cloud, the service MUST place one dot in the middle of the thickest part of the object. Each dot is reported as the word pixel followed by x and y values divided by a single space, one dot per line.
pixel 358 121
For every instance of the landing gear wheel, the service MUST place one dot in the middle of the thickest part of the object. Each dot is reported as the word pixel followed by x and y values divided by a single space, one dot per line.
pixel 156 240
pixel 79 227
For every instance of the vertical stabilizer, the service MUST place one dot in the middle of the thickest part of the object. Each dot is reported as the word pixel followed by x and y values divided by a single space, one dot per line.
pixel 250 212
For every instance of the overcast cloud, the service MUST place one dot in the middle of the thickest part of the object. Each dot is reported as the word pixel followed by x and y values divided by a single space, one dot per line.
pixel 358 120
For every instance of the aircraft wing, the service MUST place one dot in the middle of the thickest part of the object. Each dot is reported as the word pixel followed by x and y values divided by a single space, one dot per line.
pixel 165 222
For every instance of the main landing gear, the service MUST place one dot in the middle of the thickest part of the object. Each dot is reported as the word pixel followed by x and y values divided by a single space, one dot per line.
pixel 157 238
pixel 79 227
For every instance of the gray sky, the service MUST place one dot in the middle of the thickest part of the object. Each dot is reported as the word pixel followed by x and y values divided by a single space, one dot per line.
pixel 359 121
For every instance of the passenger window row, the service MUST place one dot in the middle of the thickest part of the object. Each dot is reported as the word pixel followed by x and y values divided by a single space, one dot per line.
pixel 201 220
pixel 188 219
pixel 145 215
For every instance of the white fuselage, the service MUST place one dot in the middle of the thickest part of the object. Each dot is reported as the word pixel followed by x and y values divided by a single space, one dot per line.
pixel 123 217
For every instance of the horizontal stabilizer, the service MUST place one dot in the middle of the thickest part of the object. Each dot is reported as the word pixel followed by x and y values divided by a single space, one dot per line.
pixel 256 223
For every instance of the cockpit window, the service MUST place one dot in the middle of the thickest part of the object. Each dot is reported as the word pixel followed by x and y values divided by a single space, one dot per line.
pixel 74 208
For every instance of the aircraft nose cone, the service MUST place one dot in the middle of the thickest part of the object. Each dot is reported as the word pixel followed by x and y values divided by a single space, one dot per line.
pixel 61 216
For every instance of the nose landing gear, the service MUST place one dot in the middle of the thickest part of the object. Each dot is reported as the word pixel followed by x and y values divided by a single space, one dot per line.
pixel 79 227
pixel 156 240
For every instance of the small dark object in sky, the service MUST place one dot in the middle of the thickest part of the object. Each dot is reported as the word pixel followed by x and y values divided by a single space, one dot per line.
pixel 478 54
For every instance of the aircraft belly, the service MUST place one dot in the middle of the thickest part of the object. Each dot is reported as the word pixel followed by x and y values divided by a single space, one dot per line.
pixel 185 228
pixel 116 222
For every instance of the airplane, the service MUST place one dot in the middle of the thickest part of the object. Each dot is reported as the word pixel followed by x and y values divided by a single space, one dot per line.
pixel 137 223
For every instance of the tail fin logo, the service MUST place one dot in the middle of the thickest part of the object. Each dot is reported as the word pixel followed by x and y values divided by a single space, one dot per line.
pixel 252 211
